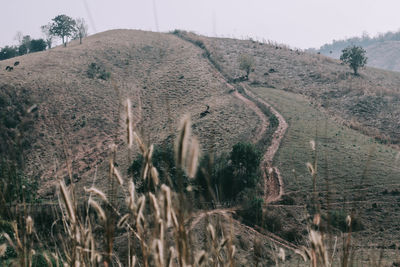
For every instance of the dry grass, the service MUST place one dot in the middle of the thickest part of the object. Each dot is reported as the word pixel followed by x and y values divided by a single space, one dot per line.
pixel 78 116
pixel 370 100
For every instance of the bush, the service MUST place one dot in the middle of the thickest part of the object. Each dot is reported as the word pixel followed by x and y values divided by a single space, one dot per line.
pixel 246 63
pixel 337 218
pixel 37 45
pixel 252 208
pixel 96 71
pixel 8 52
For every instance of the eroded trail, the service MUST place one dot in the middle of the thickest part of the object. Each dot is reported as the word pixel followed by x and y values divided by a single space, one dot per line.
pixel 273 182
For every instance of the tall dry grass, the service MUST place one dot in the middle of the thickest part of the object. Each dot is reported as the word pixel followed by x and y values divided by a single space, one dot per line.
pixel 151 225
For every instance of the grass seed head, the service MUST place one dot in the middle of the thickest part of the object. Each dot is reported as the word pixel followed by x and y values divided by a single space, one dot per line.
pixel 98 209
pixel 182 142
pixel 154 175
pixel 29 225
pixel 192 160
pixel 312 144
pixel 117 175
pixel 129 123
pixel 140 143
pixel 68 202
pixel 96 192
pixel 3 248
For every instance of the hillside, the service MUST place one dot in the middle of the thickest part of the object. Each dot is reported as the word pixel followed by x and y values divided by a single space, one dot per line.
pixel 382 51
pixel 78 117
pixel 346 116
pixel 368 103
pixel 63 108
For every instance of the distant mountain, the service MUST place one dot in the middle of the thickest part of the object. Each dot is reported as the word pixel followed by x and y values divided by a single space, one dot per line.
pixel 383 51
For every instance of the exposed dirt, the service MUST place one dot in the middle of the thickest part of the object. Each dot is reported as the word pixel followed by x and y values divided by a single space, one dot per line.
pixel 273 189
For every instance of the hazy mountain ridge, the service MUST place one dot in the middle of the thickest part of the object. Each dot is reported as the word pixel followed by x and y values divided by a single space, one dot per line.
pixel 383 51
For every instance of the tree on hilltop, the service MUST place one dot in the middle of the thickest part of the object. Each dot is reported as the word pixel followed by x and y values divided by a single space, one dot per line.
pixel 47 34
pixel 63 27
pixel 355 57
pixel 81 29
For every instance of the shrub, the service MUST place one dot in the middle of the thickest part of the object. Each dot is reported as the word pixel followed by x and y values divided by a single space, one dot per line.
pixel 252 208
pixel 96 71
pixel 37 45
pixel 337 218
pixel 8 52
pixel 355 57
pixel 246 63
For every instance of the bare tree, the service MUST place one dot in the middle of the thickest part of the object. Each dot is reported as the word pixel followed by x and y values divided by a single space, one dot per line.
pixel 48 37
pixel 18 37
pixel 81 29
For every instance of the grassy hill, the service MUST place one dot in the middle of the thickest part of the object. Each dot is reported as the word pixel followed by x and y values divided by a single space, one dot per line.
pixel 80 92
pixel 348 117
pixel 63 109
pixel 368 103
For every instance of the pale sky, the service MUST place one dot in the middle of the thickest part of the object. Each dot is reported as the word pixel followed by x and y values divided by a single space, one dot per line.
pixel 298 23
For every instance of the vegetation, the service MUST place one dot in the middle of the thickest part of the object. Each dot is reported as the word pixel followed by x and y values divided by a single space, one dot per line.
pixel 63 27
pixel 355 57
pixel 246 63
pixel 37 45
pixel 364 40
pixel 8 52
pixel 165 211
pixel 47 34
pixel 96 71
pixel 81 29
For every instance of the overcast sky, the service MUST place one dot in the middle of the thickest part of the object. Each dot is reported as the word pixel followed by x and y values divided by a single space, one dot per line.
pixel 298 23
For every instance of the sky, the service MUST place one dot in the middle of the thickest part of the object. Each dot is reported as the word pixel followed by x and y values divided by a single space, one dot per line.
pixel 298 23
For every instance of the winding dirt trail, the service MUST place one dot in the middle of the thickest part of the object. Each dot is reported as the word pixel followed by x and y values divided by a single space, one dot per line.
pixel 273 182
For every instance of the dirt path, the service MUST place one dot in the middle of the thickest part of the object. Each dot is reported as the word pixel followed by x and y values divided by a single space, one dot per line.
pixel 273 182
pixel 264 120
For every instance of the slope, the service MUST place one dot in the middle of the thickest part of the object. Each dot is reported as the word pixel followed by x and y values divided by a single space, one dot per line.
pixel 75 118
pixel 320 99
pixel 368 103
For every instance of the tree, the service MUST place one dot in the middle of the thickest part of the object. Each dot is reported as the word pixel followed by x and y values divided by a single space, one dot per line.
pixel 23 49
pixel 246 63
pixel 355 57
pixel 81 29
pixel 24 45
pixel 8 52
pixel 37 45
pixel 63 27
pixel 48 37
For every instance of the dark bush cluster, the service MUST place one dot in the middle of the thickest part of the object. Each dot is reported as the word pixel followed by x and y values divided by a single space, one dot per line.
pixel 96 71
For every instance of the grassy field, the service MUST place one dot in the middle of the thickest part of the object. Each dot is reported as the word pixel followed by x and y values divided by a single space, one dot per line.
pixel 362 174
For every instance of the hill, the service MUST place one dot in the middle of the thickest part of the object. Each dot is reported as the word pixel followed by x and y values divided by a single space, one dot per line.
pixel 77 117
pixel 382 51
pixel 63 108
pixel 368 103
pixel 322 101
